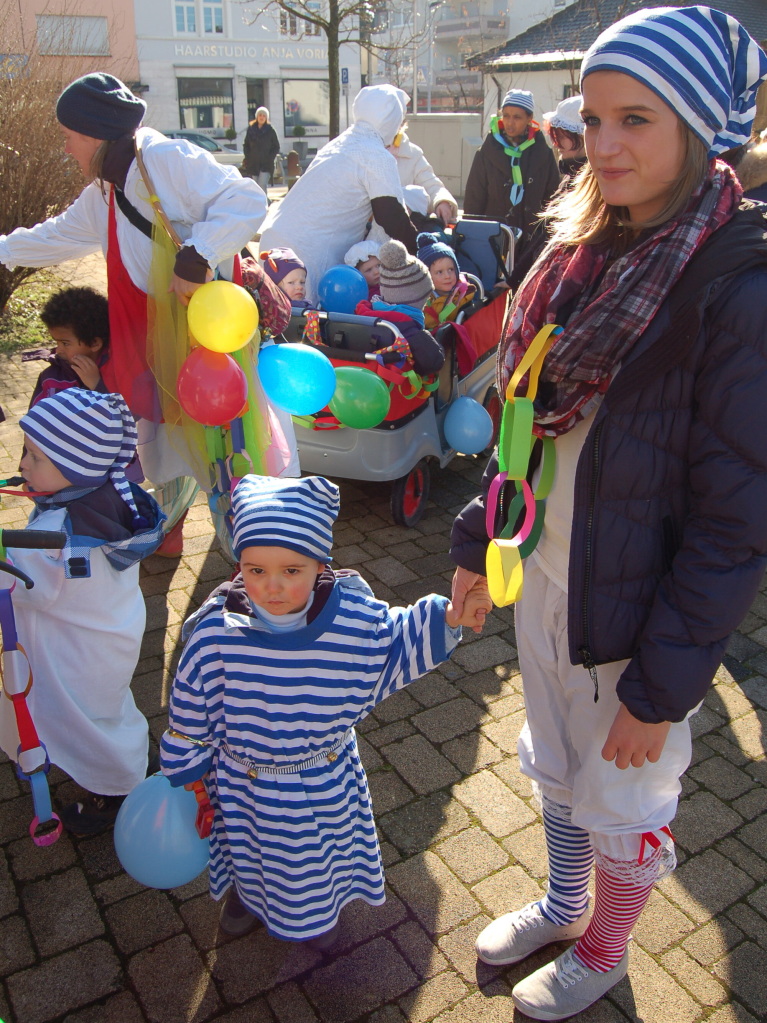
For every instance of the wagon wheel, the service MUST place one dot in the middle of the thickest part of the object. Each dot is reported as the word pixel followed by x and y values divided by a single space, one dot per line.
pixel 493 405
pixel 409 495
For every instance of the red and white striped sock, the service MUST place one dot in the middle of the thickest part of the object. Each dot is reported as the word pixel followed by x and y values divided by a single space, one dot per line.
pixel 617 907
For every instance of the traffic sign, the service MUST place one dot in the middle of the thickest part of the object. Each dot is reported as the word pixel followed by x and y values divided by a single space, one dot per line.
pixel 344 76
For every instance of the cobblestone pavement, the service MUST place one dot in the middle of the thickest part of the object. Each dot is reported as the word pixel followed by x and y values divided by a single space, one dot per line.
pixel 80 942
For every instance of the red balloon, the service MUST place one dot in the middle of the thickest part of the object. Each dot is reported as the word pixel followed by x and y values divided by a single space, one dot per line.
pixel 212 388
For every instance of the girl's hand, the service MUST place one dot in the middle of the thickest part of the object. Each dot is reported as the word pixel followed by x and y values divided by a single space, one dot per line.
pixel 630 741
pixel 87 370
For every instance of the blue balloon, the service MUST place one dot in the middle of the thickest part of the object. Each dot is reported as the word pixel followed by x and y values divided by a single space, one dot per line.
pixel 155 837
pixel 341 288
pixel 468 426
pixel 296 377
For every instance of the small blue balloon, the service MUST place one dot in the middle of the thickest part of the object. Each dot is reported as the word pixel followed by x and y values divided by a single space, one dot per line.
pixel 296 377
pixel 468 426
pixel 155 836
pixel 341 288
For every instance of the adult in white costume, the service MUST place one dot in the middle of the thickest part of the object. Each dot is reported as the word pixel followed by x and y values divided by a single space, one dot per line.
pixel 350 180
pixel 415 169
pixel 214 211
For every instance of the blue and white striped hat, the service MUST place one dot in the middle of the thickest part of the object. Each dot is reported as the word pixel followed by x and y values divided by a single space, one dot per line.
pixel 89 437
pixel 293 513
pixel 700 61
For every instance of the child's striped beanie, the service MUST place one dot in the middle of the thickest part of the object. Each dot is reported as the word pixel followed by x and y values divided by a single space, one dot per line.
pixel 293 513
pixel 701 62
pixel 90 437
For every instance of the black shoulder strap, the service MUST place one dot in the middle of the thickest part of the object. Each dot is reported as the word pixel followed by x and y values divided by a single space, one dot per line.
pixel 130 212
pixel 739 245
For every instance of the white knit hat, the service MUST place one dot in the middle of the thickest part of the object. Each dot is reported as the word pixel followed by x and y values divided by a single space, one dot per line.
pixel 293 513
pixel 360 252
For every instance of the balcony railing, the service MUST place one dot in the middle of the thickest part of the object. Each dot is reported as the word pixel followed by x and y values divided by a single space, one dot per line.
pixel 485 26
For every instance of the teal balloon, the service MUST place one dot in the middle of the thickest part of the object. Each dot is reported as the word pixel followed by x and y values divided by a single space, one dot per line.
pixel 362 399
pixel 296 377
pixel 155 836
pixel 468 426
pixel 341 289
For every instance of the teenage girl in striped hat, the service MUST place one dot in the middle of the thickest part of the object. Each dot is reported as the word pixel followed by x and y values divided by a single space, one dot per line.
pixel 654 539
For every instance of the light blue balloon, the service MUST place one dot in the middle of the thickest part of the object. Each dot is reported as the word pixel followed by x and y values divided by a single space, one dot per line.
pixel 468 426
pixel 341 289
pixel 155 837
pixel 296 377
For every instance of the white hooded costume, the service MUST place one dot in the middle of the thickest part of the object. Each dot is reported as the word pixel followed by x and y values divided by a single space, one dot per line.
pixel 328 208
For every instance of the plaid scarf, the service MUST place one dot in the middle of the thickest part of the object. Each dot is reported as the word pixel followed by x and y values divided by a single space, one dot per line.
pixel 617 302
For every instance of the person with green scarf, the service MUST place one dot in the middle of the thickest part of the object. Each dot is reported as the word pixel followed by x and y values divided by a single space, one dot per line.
pixel 514 173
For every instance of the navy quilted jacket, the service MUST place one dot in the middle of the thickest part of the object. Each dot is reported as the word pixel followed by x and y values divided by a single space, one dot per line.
pixel 669 536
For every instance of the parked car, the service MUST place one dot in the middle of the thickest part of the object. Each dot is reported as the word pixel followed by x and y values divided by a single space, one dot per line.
pixel 226 156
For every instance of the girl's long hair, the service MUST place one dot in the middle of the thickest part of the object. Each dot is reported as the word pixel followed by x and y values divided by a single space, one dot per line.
pixel 581 217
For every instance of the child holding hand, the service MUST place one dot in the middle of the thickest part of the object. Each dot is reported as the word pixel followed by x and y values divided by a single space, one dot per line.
pixel 77 319
pixel 83 622
pixel 451 291
pixel 280 666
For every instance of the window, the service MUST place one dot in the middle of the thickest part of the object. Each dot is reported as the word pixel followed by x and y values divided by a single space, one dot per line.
pixel 288 23
pixel 306 102
pixel 313 7
pixel 292 24
pixel 213 17
pixel 185 18
pixel 205 103
pixel 72 35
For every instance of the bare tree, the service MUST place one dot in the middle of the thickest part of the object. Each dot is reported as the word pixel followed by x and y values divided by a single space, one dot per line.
pixel 36 180
pixel 340 21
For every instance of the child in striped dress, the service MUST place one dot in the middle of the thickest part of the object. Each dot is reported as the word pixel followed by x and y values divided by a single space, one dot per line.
pixel 280 666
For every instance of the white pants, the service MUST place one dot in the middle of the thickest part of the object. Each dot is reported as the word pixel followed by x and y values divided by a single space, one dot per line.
pixel 560 747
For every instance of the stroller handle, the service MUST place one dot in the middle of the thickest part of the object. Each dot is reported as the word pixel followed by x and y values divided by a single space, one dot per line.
pixel 33 539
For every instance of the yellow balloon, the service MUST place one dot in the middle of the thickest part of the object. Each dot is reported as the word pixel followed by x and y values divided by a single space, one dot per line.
pixel 222 316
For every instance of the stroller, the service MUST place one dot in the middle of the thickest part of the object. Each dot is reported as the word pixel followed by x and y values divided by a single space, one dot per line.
pixel 401 447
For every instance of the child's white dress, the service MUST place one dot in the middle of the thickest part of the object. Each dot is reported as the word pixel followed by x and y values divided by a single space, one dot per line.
pixel 299 846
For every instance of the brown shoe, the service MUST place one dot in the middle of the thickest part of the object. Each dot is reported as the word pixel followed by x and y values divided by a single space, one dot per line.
pixel 235 920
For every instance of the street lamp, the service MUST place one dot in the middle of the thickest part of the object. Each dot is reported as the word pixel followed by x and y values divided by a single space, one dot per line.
pixel 433 5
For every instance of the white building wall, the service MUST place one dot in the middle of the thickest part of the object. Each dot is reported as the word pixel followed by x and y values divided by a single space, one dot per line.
pixel 243 51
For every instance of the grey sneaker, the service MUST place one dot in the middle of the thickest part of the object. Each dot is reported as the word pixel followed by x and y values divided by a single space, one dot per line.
pixel 564 988
pixel 515 936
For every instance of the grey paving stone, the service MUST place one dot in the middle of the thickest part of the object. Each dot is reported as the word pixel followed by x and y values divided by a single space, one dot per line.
pixel 528 847
pixel 201 918
pixel 99 858
pixel 16 949
pixel 9 902
pixel 371 761
pixel 173 984
pixel 458 947
pixel 361 922
pixel 661 924
pixel 28 864
pixel 750 922
pixel 255 964
pixel 744 858
pixel 699 982
pixel 508 770
pixel 420 951
pixel 46 991
pixel 9 785
pixel 472 752
pixel 432 892
pixel 415 826
pixel 143 920
pixel 432 690
pixel 448 720
pixel 721 776
pixel 289 1005
pixel 359 982
pixel 749 733
pixel 432 996
pixel 61 912
pixel 122 1008
pixel 706 885
pixel 419 763
pixel 713 941
pixel 388 791
pixel 505 732
pixel 506 890
pixel 744 970
pixel 389 571
pixel 485 653
pixel 496 808
pixel 380 737
pixel 752 804
pixel 702 819
pixel 400 705
pixel 649 993
pixel 472 855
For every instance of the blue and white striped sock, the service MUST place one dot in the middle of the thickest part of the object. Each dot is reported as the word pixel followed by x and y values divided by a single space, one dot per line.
pixel 570 860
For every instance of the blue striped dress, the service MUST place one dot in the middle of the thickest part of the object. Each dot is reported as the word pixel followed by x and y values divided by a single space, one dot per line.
pixel 298 846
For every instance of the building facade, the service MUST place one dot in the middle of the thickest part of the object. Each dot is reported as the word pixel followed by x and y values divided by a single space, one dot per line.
pixel 207 65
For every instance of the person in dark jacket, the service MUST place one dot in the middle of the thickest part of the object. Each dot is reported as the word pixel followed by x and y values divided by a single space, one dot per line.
pixel 514 173
pixel 653 537
pixel 260 147
pixel 751 168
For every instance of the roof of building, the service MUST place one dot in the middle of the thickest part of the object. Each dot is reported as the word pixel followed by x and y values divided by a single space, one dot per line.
pixel 567 34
